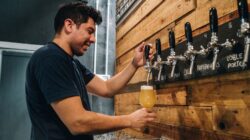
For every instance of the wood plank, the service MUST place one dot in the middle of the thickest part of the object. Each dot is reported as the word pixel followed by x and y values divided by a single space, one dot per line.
pixel 124 99
pixel 136 78
pixel 143 76
pixel 232 119
pixel 202 11
pixel 157 20
pixel 163 34
pixel 170 96
pixel 196 117
pixel 176 133
pixel 173 96
pixel 190 116
pixel 229 102
pixel 235 92
pixel 139 14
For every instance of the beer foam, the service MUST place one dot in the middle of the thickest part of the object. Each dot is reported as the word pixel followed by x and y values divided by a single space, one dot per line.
pixel 146 87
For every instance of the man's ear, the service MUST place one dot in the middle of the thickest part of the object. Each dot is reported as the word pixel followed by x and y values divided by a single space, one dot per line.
pixel 68 25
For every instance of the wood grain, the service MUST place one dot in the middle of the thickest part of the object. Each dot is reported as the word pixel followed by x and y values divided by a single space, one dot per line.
pixel 138 15
pixel 162 16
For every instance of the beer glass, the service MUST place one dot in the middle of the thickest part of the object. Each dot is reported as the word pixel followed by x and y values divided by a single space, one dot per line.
pixel 147 97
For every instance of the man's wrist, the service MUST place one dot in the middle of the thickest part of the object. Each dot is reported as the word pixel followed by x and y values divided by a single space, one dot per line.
pixel 127 121
pixel 134 64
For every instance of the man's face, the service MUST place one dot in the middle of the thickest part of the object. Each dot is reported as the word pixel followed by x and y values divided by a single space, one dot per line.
pixel 82 37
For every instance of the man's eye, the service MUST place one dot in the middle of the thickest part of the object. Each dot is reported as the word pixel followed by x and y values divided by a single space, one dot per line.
pixel 90 31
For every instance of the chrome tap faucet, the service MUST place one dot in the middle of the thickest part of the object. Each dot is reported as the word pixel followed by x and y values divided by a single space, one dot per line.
pixel 158 63
pixel 213 45
pixel 190 53
pixel 173 58
pixel 148 65
pixel 244 28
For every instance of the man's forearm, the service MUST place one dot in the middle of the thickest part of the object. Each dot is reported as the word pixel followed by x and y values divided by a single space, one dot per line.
pixel 95 123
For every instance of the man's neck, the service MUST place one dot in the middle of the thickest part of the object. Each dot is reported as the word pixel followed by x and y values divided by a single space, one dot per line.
pixel 63 44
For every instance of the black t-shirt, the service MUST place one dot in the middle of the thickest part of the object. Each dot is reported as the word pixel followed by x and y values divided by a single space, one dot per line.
pixel 52 75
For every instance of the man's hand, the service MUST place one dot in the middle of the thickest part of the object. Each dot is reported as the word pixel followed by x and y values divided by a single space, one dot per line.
pixel 139 59
pixel 141 118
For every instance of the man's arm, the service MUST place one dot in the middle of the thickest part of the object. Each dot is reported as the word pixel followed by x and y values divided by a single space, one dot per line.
pixel 80 121
pixel 111 86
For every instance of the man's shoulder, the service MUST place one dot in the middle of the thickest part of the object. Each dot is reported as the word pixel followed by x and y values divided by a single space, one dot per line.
pixel 47 56
pixel 49 51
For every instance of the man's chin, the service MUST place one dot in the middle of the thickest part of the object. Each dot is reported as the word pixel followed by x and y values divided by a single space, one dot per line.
pixel 79 53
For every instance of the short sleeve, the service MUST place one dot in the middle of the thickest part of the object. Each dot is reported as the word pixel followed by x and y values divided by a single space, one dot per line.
pixel 87 74
pixel 55 78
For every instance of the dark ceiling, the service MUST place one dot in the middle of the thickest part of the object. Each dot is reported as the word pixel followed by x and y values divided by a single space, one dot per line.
pixel 28 21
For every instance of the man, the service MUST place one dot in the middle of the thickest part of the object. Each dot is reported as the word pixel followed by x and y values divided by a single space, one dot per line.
pixel 57 84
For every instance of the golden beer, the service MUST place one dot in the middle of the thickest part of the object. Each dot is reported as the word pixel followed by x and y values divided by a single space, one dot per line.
pixel 147 96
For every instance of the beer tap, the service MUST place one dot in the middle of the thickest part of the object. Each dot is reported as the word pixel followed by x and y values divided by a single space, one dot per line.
pixel 173 58
pixel 190 54
pixel 213 45
pixel 158 63
pixel 244 28
pixel 148 65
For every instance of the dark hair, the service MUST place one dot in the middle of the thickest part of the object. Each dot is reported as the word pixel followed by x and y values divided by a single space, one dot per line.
pixel 79 12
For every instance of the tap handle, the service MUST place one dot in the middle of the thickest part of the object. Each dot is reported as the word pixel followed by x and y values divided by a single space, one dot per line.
pixel 147 49
pixel 188 32
pixel 243 9
pixel 158 46
pixel 213 20
pixel 171 40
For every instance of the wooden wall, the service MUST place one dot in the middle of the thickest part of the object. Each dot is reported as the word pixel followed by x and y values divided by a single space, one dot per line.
pixel 212 108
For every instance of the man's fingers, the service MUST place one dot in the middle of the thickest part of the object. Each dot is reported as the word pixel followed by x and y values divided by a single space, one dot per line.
pixel 150 119
pixel 152 115
pixel 141 46
pixel 151 57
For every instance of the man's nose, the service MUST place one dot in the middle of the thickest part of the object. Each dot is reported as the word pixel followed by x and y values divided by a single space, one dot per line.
pixel 92 38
